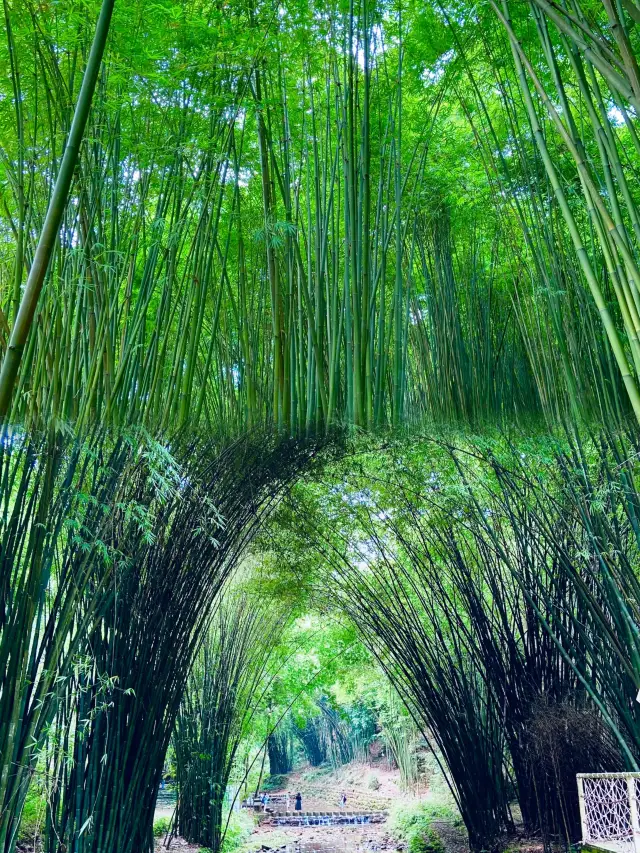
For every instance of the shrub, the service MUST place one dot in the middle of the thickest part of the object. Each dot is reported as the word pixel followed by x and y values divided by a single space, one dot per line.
pixel 424 841
pixel 161 826
pixel 33 814
pixel 413 825
pixel 373 784
pixel 423 813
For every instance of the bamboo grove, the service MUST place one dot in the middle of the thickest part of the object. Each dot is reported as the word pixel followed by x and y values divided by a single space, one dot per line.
pixel 246 249
pixel 252 238
pixel 498 595
pixel 323 298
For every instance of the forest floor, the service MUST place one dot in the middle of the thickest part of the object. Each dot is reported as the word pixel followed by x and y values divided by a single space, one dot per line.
pixel 370 786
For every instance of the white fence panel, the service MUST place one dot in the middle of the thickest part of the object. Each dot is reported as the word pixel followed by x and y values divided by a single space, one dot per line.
pixel 609 811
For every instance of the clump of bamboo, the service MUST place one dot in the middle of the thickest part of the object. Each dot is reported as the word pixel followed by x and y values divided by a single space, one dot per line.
pixel 59 565
pixel 225 688
pixel 280 751
pixel 141 650
pixel 492 599
pixel 513 558
pixel 593 54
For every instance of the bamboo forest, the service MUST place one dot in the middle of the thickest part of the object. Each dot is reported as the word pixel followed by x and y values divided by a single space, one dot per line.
pixel 319 426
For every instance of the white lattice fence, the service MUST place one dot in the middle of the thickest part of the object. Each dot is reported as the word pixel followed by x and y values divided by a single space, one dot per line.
pixel 609 810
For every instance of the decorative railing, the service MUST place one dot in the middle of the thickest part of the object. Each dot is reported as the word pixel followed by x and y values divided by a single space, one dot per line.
pixel 609 810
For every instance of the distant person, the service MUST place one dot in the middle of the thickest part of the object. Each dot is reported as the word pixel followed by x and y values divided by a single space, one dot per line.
pixel 298 802
pixel 288 800
pixel 265 801
pixel 343 799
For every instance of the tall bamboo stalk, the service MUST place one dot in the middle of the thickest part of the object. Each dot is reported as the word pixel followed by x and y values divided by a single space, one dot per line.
pixel 613 218
pixel 51 226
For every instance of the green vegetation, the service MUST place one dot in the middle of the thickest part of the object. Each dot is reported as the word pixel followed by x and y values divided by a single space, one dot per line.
pixel 414 826
pixel 237 832
pixel 319 402
pixel 161 827
pixel 33 815
pixel 274 783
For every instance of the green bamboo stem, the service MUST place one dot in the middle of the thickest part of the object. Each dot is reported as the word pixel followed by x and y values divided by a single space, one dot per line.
pixel 607 320
pixel 55 212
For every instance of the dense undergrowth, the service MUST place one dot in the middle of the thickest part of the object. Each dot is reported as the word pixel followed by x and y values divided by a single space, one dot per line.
pixel 414 824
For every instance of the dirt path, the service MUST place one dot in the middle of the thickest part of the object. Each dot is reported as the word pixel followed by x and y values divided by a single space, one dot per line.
pixel 323 839
pixel 307 839
pixel 367 788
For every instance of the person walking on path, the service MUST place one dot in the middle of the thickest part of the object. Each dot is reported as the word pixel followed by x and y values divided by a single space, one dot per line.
pixel 343 799
pixel 288 801
pixel 298 802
